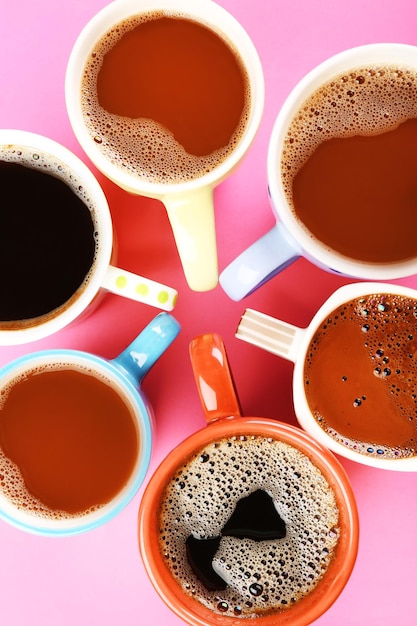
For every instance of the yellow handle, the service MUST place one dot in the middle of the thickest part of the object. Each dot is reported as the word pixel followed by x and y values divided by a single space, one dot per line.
pixel 191 215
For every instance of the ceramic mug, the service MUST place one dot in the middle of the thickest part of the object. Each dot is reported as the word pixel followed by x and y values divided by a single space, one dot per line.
pixel 291 237
pixel 194 502
pixel 188 200
pixel 354 371
pixel 76 433
pixel 42 159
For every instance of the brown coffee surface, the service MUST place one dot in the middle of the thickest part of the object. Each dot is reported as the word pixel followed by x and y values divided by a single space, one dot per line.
pixel 360 375
pixel 68 442
pixel 349 162
pixel 165 97
pixel 260 576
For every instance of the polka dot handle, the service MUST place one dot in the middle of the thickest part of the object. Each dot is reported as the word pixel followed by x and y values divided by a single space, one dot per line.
pixel 138 288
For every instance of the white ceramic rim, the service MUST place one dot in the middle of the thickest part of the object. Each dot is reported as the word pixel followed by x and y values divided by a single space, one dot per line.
pixel 203 10
pixel 385 53
pixel 44 145
pixel 303 413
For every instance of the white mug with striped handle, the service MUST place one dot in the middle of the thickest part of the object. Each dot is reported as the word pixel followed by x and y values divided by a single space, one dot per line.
pixel 365 369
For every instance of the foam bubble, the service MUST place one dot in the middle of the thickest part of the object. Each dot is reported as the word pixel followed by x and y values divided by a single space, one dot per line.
pixel 262 576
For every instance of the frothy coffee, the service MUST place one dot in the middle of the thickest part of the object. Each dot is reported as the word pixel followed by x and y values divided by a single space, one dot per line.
pixel 259 576
pixel 348 165
pixel 360 375
pixel 367 101
pixel 141 145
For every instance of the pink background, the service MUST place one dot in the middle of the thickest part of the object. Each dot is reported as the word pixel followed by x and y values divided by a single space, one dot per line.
pixel 98 578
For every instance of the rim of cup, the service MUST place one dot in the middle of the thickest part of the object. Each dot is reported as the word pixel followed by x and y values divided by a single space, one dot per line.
pixel 206 12
pixel 134 398
pixel 350 59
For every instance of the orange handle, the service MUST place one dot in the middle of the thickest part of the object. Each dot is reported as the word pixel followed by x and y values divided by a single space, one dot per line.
pixel 213 377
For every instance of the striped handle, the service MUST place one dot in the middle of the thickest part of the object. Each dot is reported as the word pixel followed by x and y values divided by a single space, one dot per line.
pixel 270 334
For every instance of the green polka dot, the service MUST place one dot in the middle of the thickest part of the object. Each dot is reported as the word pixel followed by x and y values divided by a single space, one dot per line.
pixel 121 281
pixel 142 289
pixel 163 297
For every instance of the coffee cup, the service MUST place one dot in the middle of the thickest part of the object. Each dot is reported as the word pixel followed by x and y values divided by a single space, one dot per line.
pixel 354 371
pixel 56 242
pixel 76 433
pixel 247 517
pixel 340 172
pixel 165 98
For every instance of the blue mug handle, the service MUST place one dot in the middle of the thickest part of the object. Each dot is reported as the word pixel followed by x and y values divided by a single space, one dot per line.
pixel 138 358
pixel 265 258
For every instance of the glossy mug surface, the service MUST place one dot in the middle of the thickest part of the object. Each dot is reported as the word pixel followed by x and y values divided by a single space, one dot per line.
pixel 166 98
pixel 224 519
pixel 76 433
pixel 56 241
pixel 355 371
pixel 341 165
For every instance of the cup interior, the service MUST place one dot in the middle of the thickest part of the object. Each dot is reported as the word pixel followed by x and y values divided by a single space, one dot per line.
pixel 310 607
pixel 35 151
pixel 305 418
pixel 314 250
pixel 141 413
pixel 207 13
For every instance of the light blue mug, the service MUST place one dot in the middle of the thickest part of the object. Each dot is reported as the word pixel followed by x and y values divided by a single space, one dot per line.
pixel 20 501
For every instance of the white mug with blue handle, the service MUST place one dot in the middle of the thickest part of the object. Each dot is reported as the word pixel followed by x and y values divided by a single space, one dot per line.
pixel 289 239
pixel 124 374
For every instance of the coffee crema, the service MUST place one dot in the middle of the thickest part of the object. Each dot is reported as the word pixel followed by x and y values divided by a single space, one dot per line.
pixel 252 574
pixel 48 237
pixel 360 375
pixel 68 441
pixel 164 97
pixel 349 160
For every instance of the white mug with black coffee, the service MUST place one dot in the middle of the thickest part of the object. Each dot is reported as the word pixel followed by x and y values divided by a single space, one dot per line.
pixel 56 241
pixel 341 172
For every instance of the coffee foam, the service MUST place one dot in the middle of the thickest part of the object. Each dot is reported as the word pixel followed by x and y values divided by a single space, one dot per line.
pixel 264 576
pixel 12 483
pixel 53 166
pixel 142 147
pixel 364 101
pixel 388 323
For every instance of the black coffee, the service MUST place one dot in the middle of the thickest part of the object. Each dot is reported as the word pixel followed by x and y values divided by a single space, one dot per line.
pixel 47 240
pixel 248 526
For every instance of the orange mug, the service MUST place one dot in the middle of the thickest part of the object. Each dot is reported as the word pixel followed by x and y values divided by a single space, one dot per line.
pixel 248 517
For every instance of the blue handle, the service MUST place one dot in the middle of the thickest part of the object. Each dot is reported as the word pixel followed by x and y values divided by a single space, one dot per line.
pixel 138 358
pixel 268 256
